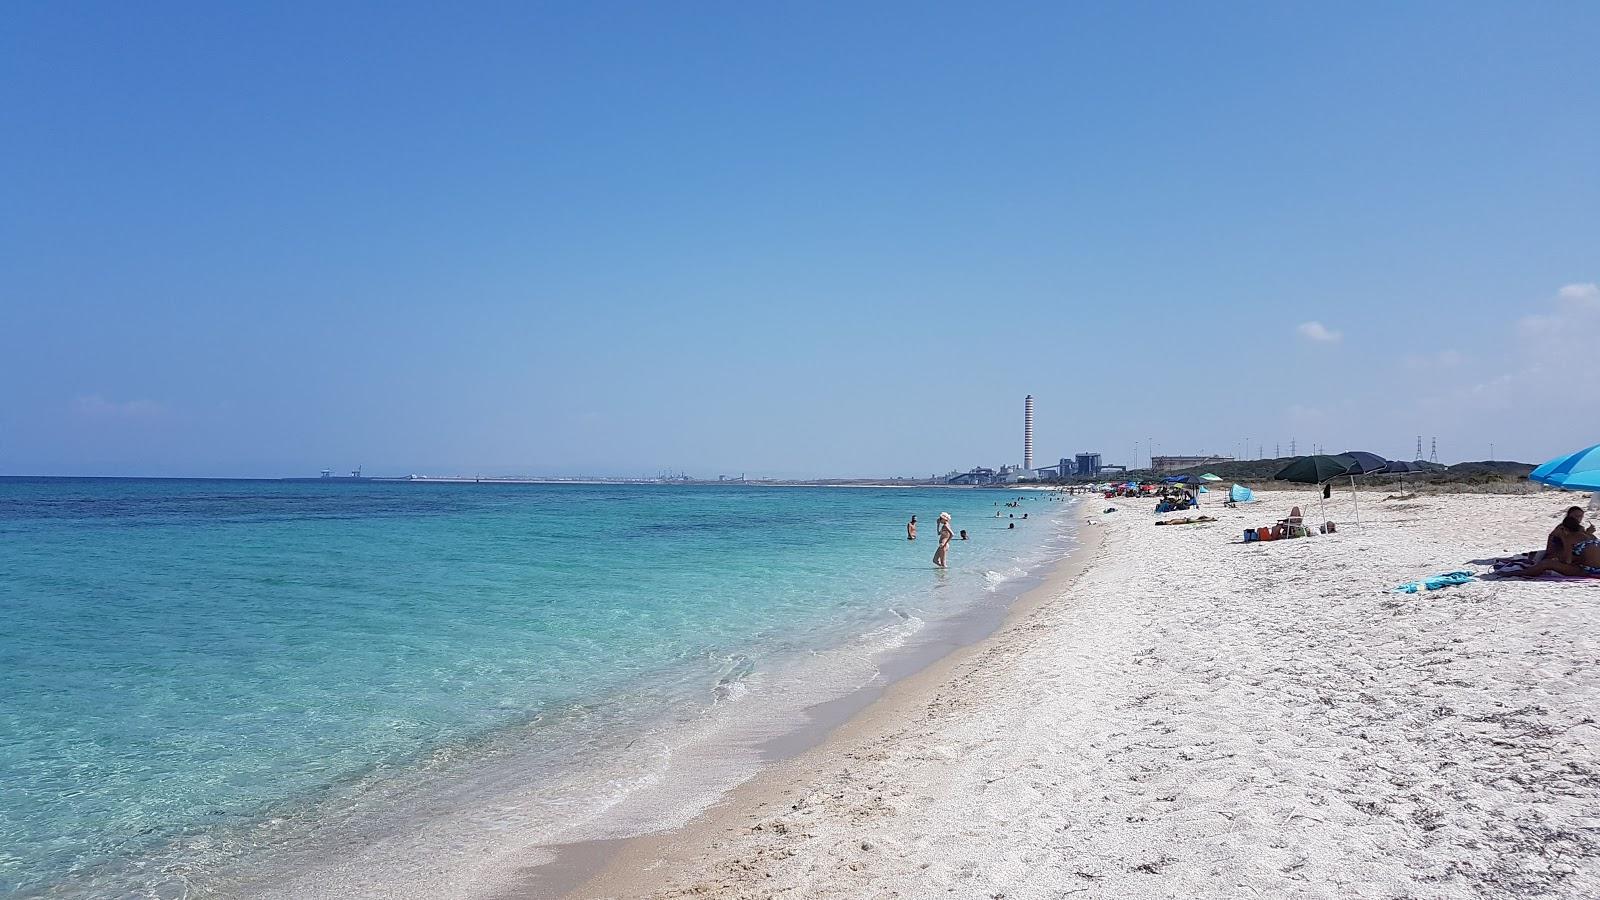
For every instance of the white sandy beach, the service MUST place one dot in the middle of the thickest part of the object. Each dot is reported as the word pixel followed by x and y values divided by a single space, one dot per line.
pixel 1198 717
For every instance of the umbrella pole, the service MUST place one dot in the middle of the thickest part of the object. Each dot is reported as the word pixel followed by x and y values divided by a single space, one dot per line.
pixel 1355 499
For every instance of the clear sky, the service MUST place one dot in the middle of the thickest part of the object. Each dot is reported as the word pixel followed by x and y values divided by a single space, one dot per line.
pixel 790 239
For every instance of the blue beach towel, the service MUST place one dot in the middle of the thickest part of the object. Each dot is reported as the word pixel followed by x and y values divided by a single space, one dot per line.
pixel 1448 579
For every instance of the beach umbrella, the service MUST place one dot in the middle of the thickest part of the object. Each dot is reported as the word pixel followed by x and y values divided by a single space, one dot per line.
pixel 1578 471
pixel 1583 481
pixel 1401 467
pixel 1315 469
pixel 1209 477
pixel 1186 480
pixel 1366 463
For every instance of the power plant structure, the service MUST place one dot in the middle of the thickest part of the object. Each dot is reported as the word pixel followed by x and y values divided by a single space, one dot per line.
pixel 1027 433
pixel 1086 465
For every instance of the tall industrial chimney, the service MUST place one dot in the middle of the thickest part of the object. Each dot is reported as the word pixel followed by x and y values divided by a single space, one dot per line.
pixel 1027 432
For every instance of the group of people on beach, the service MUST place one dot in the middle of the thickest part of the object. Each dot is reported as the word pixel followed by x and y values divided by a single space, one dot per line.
pixel 947 534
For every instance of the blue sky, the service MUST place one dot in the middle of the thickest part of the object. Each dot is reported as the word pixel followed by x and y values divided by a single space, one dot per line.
pixel 790 239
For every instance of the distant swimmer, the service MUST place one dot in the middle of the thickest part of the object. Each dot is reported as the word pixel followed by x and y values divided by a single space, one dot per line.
pixel 1024 515
pixel 945 534
pixel 963 534
pixel 911 529
pixel 1012 525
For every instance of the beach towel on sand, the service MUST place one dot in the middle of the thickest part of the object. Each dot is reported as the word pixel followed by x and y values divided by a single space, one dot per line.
pixel 1448 579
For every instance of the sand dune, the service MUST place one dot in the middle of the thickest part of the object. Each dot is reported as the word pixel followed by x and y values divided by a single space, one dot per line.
pixel 1197 717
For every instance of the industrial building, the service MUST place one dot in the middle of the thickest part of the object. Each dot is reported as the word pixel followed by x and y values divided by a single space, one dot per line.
pixel 1027 433
pixel 1088 465
pixel 1173 463
pixel 1085 465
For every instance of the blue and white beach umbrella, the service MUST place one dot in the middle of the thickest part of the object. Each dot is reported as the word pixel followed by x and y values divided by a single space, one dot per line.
pixel 1578 471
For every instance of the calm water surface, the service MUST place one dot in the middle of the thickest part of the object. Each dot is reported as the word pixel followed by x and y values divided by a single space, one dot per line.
pixel 184 661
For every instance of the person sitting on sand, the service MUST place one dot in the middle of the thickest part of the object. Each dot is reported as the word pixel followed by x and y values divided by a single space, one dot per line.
pixel 945 534
pixel 1583 562
pixel 1567 532
pixel 1558 546
pixel 911 529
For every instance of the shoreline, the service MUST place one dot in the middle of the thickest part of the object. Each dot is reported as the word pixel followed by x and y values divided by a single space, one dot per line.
pixel 1176 712
pixel 622 867
pixel 804 697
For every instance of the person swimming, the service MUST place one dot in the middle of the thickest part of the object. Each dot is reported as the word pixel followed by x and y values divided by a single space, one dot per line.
pixel 963 534
pixel 1012 525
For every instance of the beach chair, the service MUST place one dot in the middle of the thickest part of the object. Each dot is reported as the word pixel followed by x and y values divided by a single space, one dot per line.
pixel 1293 525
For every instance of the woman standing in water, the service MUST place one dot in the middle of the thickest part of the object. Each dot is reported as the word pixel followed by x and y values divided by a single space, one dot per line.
pixel 945 534
pixel 911 529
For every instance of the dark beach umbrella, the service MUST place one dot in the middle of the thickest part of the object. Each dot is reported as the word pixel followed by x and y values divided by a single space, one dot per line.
pixel 1188 480
pixel 1366 463
pixel 1316 469
pixel 1401 467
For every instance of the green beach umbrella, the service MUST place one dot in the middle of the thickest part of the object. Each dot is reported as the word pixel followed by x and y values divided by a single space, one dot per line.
pixel 1316 469
pixel 1209 477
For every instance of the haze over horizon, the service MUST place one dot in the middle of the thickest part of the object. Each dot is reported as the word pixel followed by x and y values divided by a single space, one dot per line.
pixel 792 242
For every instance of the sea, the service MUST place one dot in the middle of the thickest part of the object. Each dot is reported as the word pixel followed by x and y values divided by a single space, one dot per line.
pixel 256 688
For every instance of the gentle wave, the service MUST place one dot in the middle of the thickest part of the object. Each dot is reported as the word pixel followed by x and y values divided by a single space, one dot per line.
pixel 407 672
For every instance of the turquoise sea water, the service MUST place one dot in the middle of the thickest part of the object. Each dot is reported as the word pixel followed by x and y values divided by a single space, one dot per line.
pixel 200 677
